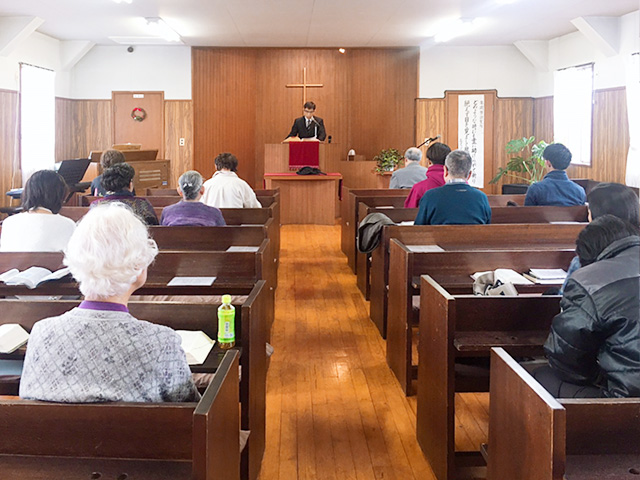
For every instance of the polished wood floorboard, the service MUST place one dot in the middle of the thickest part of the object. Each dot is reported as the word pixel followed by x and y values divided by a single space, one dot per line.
pixel 334 409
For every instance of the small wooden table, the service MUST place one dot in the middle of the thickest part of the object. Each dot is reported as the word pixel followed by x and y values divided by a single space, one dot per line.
pixel 306 199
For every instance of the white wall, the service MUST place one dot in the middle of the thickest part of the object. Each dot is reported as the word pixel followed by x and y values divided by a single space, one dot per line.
pixel 502 68
pixel 39 50
pixel 575 49
pixel 152 68
pixel 505 69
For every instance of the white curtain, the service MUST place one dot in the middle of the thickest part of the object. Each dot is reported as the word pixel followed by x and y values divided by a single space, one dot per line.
pixel 572 111
pixel 633 114
pixel 37 119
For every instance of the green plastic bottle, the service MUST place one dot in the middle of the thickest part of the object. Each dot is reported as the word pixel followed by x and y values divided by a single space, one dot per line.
pixel 226 323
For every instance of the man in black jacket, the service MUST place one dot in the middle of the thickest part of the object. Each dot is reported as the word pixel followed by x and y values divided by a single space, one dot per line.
pixel 594 344
pixel 308 126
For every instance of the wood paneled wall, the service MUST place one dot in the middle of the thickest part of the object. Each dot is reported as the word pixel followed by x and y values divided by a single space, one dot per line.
pixel 86 125
pixel 523 117
pixel 241 101
pixel 513 119
pixel 430 121
pixel 178 123
pixel 9 174
pixel 82 126
pixel 610 143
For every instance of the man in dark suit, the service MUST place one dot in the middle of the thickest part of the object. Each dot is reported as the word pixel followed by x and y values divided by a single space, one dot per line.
pixel 308 126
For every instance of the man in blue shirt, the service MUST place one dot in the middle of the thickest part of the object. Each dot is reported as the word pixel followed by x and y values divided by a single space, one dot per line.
pixel 456 202
pixel 555 188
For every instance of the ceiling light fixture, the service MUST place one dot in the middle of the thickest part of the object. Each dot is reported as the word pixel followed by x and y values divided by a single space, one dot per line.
pixel 123 1
pixel 454 29
pixel 159 28
pixel 342 50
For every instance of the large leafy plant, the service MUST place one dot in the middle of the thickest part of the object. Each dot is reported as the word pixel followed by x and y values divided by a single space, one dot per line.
pixel 387 160
pixel 527 164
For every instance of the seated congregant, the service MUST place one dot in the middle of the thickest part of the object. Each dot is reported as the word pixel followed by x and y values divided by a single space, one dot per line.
pixel 412 172
pixel 99 352
pixel 118 183
pixel 456 202
pixel 190 211
pixel 609 199
pixel 555 188
pixel 39 228
pixel 436 154
pixel 225 189
pixel 107 160
pixel 594 345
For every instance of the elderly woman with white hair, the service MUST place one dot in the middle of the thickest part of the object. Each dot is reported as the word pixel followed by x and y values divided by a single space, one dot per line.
pixel 98 352
pixel 190 211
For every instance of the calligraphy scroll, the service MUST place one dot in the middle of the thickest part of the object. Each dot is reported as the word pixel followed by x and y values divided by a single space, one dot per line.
pixel 471 134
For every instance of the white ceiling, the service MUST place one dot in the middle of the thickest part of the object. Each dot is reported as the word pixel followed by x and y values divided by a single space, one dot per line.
pixel 313 23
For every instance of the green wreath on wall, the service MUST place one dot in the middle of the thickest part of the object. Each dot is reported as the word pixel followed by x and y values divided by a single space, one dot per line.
pixel 138 114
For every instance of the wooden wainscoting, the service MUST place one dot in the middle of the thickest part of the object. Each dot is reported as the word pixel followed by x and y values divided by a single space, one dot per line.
pixel 9 147
pixel 610 134
pixel 82 126
pixel 178 123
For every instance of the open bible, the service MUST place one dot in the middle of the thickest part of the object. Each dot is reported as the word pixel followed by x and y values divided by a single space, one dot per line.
pixel 32 276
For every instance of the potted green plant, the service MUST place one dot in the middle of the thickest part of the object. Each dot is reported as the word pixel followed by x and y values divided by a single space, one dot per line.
pixel 387 160
pixel 527 163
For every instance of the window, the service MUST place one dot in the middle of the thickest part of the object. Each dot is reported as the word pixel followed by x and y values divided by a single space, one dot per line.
pixel 572 111
pixel 37 119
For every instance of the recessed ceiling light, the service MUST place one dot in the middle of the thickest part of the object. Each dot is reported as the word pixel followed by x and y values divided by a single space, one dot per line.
pixel 123 1
pixel 158 27
pixel 453 29
pixel 342 50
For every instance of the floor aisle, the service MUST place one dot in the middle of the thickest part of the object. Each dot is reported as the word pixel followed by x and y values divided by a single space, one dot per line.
pixel 334 410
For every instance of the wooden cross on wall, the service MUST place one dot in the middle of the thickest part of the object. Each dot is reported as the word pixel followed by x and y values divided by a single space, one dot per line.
pixel 304 85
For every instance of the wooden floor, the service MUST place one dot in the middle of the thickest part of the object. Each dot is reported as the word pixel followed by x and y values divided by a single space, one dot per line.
pixel 334 409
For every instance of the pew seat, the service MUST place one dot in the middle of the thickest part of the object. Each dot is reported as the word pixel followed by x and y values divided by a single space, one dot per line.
pixel 539 437
pixel 453 330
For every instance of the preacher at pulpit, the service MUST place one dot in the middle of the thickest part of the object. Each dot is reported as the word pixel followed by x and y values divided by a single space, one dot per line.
pixel 308 126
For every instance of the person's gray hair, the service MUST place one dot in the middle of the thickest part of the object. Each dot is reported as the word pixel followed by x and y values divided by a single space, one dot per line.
pixel 414 154
pixel 459 164
pixel 190 183
pixel 108 250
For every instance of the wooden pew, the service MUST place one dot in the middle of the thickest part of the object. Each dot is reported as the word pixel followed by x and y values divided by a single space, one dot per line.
pixel 126 440
pixel 220 238
pixel 351 217
pixel 539 437
pixel 460 237
pixel 251 336
pixel 452 270
pixel 236 272
pixel 458 326
pixel 500 215
pixel 232 216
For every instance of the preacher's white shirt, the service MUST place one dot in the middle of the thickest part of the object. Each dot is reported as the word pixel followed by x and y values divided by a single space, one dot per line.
pixel 227 190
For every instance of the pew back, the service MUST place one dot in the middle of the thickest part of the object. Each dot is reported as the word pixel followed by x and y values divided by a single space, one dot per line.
pixel 542 437
pixel 461 237
pixel 452 270
pixel 195 441
pixel 462 325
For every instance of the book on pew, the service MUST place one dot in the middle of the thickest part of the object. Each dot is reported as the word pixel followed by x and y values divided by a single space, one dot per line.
pixel 32 276
pixel 240 248
pixel 546 276
pixel 407 222
pixel 191 281
pixel 505 275
pixel 12 337
pixel 425 248
pixel 196 345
